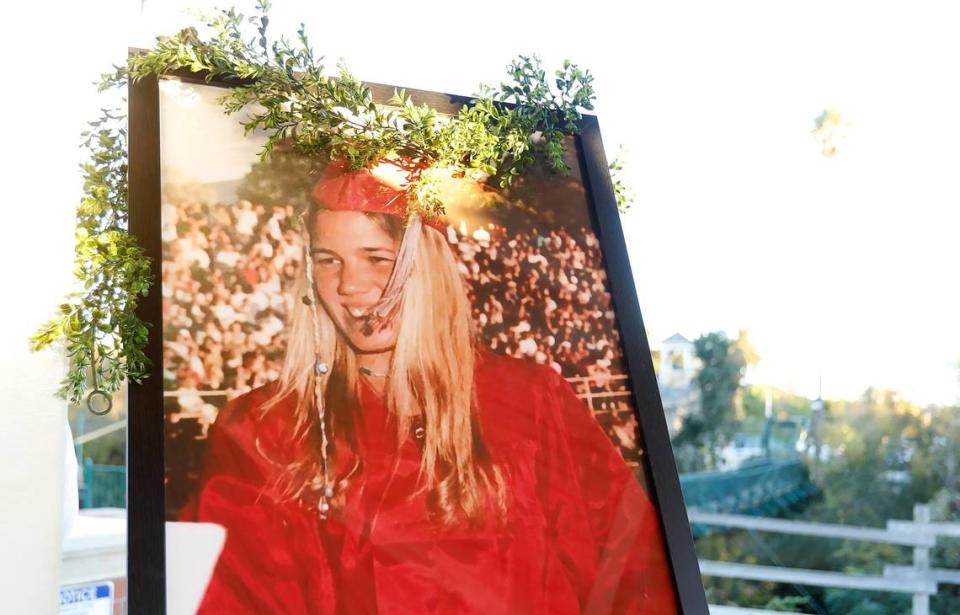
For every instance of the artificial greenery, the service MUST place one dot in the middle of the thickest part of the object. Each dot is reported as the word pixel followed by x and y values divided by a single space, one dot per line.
pixel 98 324
pixel 621 191
pixel 298 105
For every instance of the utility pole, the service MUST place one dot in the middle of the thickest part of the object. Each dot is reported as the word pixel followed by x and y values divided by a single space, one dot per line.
pixel 817 425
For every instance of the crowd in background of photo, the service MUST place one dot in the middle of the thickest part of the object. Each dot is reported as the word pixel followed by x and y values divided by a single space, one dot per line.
pixel 228 271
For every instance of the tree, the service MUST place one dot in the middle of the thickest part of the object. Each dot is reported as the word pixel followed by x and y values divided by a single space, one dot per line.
pixel 746 348
pixel 286 178
pixel 702 435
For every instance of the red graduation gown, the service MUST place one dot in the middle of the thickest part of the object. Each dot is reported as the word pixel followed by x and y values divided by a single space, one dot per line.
pixel 581 535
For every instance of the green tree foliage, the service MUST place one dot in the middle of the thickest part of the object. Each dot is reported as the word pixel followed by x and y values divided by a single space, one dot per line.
pixel 854 602
pixel 883 456
pixel 285 178
pixel 788 604
pixel 945 506
pixel 722 366
pixel 753 403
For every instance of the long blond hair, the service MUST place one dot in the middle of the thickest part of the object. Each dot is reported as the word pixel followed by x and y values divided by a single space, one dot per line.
pixel 431 376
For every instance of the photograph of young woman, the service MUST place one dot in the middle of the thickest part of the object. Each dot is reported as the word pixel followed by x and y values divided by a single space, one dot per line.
pixel 396 465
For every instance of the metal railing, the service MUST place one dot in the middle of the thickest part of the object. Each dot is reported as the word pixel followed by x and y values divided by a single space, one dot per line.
pixel 765 488
pixel 103 486
pixel 595 389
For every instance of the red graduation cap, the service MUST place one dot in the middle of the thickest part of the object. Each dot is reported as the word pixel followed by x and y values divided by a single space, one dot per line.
pixel 378 190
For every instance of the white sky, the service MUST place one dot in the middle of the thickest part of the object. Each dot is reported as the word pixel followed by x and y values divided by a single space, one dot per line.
pixel 841 269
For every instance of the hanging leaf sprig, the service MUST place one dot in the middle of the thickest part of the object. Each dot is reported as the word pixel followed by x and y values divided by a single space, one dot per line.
pixel 98 323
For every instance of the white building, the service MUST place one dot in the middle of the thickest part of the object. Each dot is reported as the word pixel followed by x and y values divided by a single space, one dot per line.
pixel 675 377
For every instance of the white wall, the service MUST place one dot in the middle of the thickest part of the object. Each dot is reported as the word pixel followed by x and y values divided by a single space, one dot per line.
pixel 51 54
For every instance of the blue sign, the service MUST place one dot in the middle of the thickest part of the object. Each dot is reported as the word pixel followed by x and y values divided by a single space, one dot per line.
pixel 93 599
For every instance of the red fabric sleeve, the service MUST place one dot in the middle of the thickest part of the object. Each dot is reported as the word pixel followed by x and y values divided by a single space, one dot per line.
pixel 272 560
pixel 601 514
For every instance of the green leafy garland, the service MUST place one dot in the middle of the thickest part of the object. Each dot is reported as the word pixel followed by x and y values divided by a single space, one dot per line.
pixel 98 324
pixel 297 104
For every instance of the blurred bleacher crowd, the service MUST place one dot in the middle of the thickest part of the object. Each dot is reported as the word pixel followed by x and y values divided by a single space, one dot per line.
pixel 228 274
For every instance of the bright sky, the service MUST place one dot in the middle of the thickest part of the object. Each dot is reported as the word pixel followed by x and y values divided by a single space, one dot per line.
pixel 842 269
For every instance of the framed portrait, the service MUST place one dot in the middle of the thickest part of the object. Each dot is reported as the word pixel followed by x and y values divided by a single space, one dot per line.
pixel 491 441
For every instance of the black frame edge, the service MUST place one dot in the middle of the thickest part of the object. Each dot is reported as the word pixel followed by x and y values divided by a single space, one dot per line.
pixel 146 548
pixel 146 494
pixel 664 479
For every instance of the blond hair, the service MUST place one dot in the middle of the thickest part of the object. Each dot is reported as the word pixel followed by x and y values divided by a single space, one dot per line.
pixel 431 376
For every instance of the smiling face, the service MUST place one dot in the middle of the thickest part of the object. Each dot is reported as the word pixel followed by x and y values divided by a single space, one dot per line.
pixel 353 256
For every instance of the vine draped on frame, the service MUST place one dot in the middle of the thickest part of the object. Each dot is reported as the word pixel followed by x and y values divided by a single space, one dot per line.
pixel 498 136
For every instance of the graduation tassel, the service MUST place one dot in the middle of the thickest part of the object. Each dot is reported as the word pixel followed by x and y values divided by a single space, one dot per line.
pixel 320 369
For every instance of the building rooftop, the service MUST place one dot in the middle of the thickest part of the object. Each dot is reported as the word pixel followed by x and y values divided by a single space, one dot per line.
pixel 676 338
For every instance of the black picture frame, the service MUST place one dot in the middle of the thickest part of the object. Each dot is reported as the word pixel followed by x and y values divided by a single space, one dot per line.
pixel 146 492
